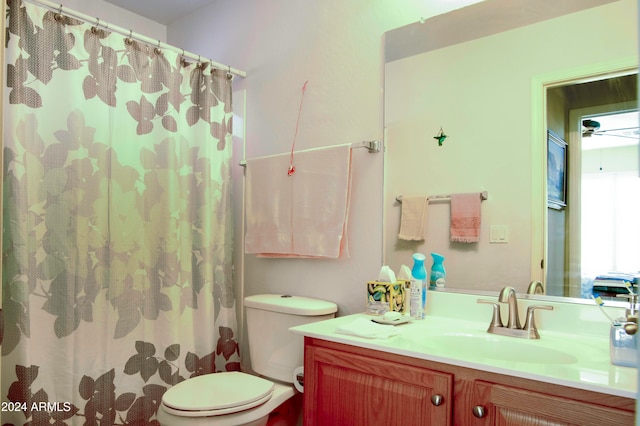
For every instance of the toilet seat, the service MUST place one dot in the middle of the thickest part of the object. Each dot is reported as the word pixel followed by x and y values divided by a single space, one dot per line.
pixel 217 394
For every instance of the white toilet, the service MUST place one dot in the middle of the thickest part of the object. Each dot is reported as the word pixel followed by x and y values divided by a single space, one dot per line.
pixel 235 398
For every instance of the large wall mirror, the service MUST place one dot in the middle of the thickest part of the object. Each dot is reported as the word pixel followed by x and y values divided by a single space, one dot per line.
pixel 504 81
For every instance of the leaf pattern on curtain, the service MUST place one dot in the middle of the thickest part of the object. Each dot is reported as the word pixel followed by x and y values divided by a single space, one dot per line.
pixel 104 405
pixel 48 49
pixel 117 221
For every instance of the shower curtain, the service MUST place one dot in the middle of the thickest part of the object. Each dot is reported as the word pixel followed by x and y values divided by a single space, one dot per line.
pixel 117 224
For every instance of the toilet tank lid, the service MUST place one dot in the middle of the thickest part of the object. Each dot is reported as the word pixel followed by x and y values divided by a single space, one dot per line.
pixel 286 304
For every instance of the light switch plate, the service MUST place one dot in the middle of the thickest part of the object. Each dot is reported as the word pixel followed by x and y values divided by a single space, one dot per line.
pixel 499 234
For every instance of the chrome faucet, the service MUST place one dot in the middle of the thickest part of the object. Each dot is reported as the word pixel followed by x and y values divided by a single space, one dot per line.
pixel 513 327
pixel 508 295
pixel 535 287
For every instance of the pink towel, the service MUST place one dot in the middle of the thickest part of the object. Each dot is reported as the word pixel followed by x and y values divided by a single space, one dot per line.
pixel 465 218
pixel 268 205
pixel 414 218
pixel 304 215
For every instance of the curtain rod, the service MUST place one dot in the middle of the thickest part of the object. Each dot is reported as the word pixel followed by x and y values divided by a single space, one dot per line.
pixel 129 33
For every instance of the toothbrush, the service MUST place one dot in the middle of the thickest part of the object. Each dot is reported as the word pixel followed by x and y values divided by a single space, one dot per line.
pixel 600 304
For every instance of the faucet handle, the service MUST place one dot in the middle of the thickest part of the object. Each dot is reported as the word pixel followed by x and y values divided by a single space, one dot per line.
pixel 530 323
pixel 496 321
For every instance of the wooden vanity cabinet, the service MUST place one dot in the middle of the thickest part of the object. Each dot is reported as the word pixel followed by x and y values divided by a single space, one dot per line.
pixel 352 386
pixel 347 388
pixel 505 405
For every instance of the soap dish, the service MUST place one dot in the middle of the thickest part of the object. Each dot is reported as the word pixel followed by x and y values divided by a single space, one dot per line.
pixel 402 320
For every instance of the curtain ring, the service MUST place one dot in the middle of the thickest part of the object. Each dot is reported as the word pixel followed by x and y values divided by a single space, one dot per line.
pixel 58 16
pixel 129 40
pixel 229 73
pixel 94 29
pixel 183 60
pixel 157 50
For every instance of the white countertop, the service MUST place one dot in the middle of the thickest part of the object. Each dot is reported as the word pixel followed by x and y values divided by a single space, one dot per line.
pixel 585 366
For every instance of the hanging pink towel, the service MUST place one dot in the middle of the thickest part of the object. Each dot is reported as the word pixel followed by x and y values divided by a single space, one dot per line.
pixel 465 218
pixel 268 205
pixel 303 215
pixel 413 219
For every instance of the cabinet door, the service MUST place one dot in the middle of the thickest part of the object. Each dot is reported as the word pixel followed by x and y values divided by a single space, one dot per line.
pixel 507 406
pixel 348 389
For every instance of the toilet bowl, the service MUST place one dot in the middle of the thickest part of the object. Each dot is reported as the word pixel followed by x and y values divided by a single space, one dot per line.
pixel 223 399
pixel 241 399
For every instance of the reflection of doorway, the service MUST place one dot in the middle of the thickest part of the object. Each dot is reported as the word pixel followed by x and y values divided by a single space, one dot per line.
pixel 566 106
pixel 610 189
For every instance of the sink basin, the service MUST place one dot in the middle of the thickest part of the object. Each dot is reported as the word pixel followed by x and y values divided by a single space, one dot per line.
pixel 498 348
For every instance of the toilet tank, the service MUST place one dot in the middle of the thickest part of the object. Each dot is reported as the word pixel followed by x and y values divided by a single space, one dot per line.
pixel 274 351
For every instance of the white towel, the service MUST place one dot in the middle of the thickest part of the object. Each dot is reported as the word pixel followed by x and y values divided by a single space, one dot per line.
pixel 321 198
pixel 363 327
pixel 268 205
pixel 304 215
pixel 414 218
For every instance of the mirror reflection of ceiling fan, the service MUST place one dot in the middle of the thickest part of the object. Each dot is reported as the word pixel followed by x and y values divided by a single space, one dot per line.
pixel 592 128
pixel 611 130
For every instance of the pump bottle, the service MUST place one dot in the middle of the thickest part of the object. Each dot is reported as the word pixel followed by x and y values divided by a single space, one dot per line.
pixel 418 299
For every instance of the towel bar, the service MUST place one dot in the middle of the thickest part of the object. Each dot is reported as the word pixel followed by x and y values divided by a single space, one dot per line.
pixel 372 146
pixel 484 195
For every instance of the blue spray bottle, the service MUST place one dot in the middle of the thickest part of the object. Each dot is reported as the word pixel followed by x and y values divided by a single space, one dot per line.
pixel 438 273
pixel 418 299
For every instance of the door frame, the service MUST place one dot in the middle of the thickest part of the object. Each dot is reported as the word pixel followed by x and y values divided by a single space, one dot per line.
pixel 539 86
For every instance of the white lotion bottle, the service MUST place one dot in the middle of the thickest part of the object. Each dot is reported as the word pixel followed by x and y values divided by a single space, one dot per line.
pixel 418 299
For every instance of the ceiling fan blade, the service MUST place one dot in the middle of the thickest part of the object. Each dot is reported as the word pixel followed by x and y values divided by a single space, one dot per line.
pixel 622 129
pixel 617 136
